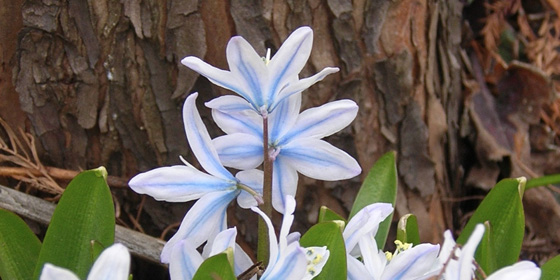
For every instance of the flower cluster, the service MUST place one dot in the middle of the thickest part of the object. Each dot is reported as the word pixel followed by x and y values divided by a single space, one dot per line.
pixel 270 91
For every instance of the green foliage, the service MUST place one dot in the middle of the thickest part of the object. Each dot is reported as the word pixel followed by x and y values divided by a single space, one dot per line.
pixel 326 215
pixel 19 247
pixel 380 185
pixel 502 208
pixel 84 217
pixel 216 267
pixel 407 230
pixel 551 269
pixel 328 234
pixel 486 257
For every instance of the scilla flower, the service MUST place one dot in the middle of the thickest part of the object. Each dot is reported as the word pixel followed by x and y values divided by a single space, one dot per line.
pixel 263 82
pixel 459 262
pixel 112 264
pixel 295 143
pixel 288 260
pixel 214 191
pixel 407 263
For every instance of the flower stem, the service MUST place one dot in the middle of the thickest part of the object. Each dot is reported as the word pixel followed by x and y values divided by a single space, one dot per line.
pixel 263 244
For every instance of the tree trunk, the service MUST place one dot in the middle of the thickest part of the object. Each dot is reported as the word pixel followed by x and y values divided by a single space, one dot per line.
pixel 100 83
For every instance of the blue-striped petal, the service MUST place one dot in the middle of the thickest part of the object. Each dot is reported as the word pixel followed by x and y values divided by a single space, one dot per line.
pixel 288 61
pixel 523 270
pixel 301 85
pixel 185 260
pixel 247 122
pixel 229 104
pixel 200 141
pixel 323 121
pixel 204 221
pixel 253 179
pixel 248 68
pixel 365 222
pixel 290 264
pixel 320 160
pixel 357 270
pixel 282 119
pixel 284 182
pixel 418 262
pixel 239 150
pixel 217 76
pixel 177 183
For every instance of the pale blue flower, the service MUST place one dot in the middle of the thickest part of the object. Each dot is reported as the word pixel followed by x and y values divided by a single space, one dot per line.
pixel 215 190
pixel 185 259
pixel 263 82
pixel 294 140
pixel 288 260
pixel 418 262
pixel 112 264
pixel 459 262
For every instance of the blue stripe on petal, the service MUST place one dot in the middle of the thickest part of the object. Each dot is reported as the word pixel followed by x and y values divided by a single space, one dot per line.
pixel 284 182
pixel 204 221
pixel 200 141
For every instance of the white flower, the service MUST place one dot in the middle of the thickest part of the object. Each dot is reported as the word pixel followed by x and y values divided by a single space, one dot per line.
pixel 460 261
pixel 112 264
pixel 263 83
pixel 215 190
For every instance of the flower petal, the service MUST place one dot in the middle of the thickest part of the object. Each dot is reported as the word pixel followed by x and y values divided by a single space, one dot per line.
pixel 301 85
pixel 323 121
pixel 112 264
pixel 374 259
pixel 284 182
pixel 465 268
pixel 185 260
pixel 245 121
pixel 200 142
pixel 287 220
pixel 282 119
pixel 289 60
pixel 320 160
pixel 223 241
pixel 239 150
pixel 177 183
pixel 414 263
pixel 317 257
pixel 52 272
pixel 229 104
pixel 241 261
pixel 523 270
pixel 366 221
pixel 357 270
pixel 249 69
pixel 254 179
pixel 217 76
pixel 272 240
pixel 290 264
pixel 204 221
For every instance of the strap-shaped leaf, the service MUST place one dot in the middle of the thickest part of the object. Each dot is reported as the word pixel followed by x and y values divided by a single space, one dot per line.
pixel 83 219
pixel 380 185
pixel 407 230
pixel 502 208
pixel 327 215
pixel 216 267
pixel 551 269
pixel 328 234
pixel 19 247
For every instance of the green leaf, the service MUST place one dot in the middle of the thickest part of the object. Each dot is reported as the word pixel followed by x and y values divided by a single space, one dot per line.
pixel 328 234
pixel 19 247
pixel 503 209
pixel 82 224
pixel 407 230
pixel 551 269
pixel 327 215
pixel 486 254
pixel 216 267
pixel 380 185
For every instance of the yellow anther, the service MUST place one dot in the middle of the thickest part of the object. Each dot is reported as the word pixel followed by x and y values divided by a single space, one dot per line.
pixel 317 259
pixel 310 252
pixel 402 246
pixel 388 256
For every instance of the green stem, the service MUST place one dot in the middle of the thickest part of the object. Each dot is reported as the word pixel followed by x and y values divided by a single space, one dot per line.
pixel 543 181
pixel 266 207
